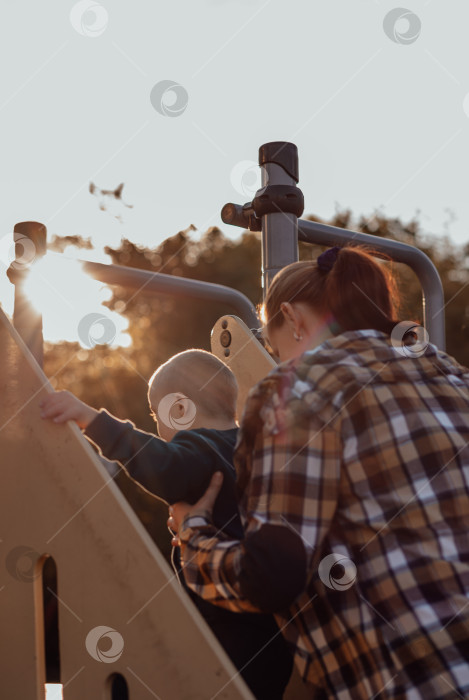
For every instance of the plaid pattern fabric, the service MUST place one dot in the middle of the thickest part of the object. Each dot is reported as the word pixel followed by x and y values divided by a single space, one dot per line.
pixel 364 453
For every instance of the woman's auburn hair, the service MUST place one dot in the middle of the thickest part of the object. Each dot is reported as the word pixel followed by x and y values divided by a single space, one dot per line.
pixel 357 293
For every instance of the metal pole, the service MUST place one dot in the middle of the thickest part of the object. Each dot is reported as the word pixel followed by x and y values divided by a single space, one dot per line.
pixel 433 300
pixel 30 245
pixel 279 165
pixel 148 282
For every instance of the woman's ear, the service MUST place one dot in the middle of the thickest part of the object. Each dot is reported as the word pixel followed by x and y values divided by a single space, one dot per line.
pixel 289 314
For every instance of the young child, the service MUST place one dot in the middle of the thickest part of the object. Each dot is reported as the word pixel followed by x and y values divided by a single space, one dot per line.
pixel 193 401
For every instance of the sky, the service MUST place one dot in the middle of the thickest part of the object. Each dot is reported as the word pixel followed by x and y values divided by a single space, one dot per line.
pixel 174 100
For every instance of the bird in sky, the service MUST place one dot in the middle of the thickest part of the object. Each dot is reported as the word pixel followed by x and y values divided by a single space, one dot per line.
pixel 110 200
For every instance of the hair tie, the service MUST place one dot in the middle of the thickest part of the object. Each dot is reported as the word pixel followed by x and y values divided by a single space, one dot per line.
pixel 327 259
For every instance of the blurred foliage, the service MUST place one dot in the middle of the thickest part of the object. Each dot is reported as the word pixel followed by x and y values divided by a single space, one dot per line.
pixel 161 326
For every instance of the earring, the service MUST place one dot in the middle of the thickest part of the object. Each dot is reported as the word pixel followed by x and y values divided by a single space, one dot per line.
pixel 297 337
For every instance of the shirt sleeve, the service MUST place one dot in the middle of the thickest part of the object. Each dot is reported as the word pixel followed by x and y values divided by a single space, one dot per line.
pixel 291 469
pixel 165 469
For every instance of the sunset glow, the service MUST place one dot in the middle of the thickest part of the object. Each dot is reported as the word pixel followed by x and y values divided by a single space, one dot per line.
pixel 57 287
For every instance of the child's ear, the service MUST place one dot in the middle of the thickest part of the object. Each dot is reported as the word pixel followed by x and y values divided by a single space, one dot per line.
pixel 178 409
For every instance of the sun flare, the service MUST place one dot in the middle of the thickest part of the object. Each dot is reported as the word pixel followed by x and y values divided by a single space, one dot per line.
pixel 71 304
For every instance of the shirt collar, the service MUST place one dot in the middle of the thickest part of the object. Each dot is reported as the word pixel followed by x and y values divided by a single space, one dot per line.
pixel 347 336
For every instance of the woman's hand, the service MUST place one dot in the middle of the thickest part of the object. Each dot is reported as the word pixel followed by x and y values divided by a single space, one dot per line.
pixel 62 406
pixel 203 507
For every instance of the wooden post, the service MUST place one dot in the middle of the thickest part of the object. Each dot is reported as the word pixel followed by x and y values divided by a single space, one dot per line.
pixel 30 246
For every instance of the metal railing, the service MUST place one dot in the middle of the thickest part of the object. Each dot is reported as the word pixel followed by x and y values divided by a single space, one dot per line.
pixel 275 209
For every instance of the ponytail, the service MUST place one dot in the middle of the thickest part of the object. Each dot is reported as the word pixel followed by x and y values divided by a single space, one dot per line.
pixel 346 285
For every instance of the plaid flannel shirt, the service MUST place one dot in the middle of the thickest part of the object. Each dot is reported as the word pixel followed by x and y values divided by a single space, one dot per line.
pixel 361 454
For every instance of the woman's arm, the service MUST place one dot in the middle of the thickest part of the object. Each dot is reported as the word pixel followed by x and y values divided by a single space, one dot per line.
pixel 290 500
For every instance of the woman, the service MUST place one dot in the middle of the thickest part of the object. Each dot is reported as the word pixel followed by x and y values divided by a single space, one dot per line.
pixel 353 476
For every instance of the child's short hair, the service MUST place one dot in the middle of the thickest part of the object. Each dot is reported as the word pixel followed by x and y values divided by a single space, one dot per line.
pixel 200 376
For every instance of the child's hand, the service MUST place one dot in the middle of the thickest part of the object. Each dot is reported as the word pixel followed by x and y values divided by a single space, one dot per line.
pixel 63 406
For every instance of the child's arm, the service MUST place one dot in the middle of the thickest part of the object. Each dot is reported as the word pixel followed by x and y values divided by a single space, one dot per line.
pixel 165 469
